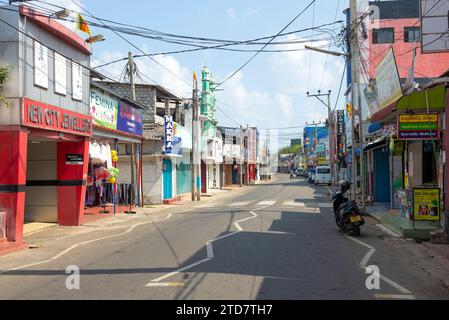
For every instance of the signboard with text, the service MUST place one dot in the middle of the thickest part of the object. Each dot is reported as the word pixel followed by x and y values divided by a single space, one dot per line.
pixel 43 116
pixel 418 126
pixel 340 122
pixel 169 134
pixel 103 109
pixel 129 119
pixel 426 204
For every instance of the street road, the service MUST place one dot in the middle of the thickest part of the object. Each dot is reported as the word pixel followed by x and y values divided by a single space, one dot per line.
pixel 273 241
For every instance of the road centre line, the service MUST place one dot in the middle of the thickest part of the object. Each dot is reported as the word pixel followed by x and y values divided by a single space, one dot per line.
pixel 209 250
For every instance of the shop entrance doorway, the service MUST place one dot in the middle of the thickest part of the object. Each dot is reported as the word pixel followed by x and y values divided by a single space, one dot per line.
pixel 167 179
pixel 41 196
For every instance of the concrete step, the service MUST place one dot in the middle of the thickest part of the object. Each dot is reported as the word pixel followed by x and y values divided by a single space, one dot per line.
pixel 8 247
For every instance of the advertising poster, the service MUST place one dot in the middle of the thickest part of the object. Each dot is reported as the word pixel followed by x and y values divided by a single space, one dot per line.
pixel 103 109
pixel 129 119
pixel 40 65
pixel 77 81
pixel 387 80
pixel 426 204
pixel 60 74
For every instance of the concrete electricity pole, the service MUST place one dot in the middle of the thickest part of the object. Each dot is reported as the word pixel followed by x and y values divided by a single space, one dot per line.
pixel 131 73
pixel 242 153
pixel 196 157
pixel 356 112
pixel 247 155
pixel 331 128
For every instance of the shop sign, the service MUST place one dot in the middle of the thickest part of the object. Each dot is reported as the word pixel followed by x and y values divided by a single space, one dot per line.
pixel 340 122
pixel 426 204
pixel 103 109
pixel 129 119
pixel 322 161
pixel 74 159
pixel 43 116
pixel 172 144
pixel 418 127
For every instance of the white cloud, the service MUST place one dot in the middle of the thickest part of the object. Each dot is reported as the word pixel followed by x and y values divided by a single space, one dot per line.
pixel 232 14
pixel 285 104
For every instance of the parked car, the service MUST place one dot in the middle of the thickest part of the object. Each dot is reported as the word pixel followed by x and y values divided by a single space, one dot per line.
pixel 300 172
pixel 323 175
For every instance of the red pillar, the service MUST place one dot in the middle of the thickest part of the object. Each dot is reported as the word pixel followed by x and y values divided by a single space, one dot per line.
pixel 13 164
pixel 71 182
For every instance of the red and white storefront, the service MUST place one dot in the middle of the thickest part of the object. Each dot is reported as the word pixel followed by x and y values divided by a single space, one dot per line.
pixel 44 167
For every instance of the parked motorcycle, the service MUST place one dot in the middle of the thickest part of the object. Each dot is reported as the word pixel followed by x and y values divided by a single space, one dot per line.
pixel 346 212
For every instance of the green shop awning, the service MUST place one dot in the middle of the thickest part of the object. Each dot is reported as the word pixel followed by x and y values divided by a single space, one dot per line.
pixel 417 100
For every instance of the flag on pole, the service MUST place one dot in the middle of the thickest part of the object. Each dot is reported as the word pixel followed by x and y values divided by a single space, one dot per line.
pixel 194 75
pixel 82 25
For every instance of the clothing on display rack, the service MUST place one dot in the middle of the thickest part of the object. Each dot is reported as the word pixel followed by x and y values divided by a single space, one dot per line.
pixel 103 193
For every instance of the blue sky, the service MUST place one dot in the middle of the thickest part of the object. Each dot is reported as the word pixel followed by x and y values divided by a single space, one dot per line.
pixel 269 93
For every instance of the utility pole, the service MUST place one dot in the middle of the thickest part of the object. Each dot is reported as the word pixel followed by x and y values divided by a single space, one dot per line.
pixel 132 71
pixel 242 154
pixel 247 155
pixel 330 117
pixel 196 158
pixel 356 112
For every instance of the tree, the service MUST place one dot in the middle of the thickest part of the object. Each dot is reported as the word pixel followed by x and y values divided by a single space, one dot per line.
pixel 5 72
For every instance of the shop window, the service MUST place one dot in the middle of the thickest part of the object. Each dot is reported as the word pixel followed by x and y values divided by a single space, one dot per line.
pixel 429 167
pixel 412 34
pixel 383 35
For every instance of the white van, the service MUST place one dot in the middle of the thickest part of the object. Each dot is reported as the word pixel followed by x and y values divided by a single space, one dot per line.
pixel 323 175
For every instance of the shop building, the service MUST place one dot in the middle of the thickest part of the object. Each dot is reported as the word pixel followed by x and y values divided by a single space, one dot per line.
pixel 159 177
pixel 398 26
pixel 408 160
pixel 117 129
pixel 231 156
pixel 44 133
pixel 211 140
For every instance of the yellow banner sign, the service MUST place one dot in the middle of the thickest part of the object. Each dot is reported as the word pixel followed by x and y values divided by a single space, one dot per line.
pixel 418 118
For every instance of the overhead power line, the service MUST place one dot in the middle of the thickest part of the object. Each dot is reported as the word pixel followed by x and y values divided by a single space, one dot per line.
pixel 274 37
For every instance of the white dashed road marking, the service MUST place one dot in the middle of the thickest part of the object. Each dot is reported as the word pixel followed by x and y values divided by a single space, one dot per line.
pixel 239 204
pixel 266 203
pixel 209 252
pixel 294 204
pixel 387 230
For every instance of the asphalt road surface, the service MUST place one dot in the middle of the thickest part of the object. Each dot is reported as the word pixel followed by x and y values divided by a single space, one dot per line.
pixel 273 241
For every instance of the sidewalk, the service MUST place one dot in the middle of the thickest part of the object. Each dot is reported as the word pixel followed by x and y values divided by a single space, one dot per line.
pixel 38 235
pixel 392 219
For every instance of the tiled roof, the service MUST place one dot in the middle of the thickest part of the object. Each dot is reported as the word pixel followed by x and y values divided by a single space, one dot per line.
pixel 153 133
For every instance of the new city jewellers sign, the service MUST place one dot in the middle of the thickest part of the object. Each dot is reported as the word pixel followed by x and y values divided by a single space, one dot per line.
pixel 418 127
pixel 43 116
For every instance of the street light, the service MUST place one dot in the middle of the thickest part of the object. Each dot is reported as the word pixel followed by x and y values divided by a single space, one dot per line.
pixel 334 53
